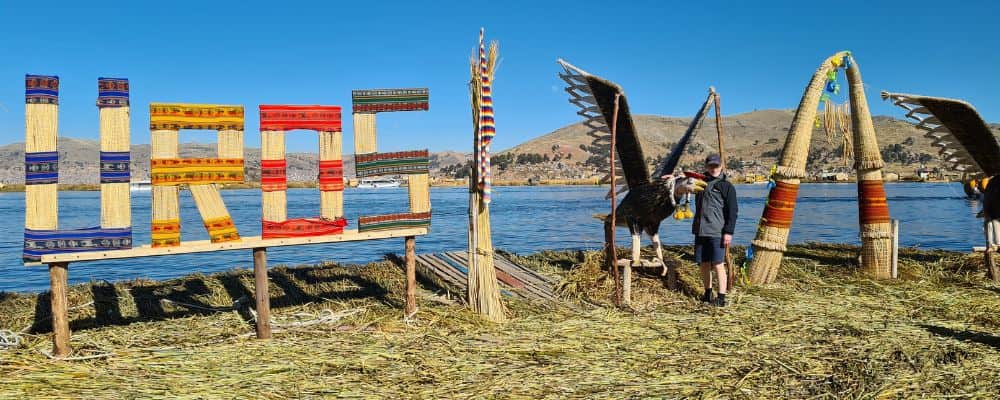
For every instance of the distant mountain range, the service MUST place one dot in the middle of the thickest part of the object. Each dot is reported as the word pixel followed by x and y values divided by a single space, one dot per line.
pixel 753 141
pixel 78 161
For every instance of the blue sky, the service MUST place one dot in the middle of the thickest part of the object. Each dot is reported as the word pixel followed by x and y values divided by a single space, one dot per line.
pixel 758 56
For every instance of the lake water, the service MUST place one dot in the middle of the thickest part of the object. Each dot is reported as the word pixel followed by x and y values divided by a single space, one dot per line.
pixel 525 220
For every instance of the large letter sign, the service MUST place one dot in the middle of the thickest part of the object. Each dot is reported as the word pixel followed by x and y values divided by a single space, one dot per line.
pixel 41 171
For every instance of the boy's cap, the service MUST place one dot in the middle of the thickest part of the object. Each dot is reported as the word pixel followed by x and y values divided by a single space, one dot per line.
pixel 713 159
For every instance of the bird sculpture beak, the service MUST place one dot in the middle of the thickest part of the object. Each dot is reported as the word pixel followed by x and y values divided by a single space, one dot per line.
pixel 699 185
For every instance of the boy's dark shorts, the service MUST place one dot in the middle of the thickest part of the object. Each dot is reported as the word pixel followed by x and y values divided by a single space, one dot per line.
pixel 709 249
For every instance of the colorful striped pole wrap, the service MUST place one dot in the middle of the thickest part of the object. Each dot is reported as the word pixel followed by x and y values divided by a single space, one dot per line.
pixel 41 89
pixel 166 233
pixel 41 168
pixel 331 176
pixel 388 100
pixel 393 221
pixel 397 163
pixel 487 129
pixel 41 242
pixel 286 118
pixel 115 167
pixel 195 171
pixel 273 175
pixel 303 227
pixel 165 116
pixel 781 205
pixel 112 92
pixel 874 208
pixel 221 229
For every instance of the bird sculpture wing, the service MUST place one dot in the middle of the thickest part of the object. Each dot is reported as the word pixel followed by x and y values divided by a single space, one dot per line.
pixel 964 138
pixel 596 98
pixel 669 164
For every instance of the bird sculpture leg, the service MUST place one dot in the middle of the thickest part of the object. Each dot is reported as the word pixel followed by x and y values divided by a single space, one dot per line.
pixel 659 253
pixel 627 273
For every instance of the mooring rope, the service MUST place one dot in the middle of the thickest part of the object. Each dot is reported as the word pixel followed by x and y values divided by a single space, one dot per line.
pixel 9 339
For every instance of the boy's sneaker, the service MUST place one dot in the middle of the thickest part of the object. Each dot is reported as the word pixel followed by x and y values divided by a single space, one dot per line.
pixel 707 297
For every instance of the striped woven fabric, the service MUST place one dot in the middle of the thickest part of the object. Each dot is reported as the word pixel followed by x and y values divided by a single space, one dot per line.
pixel 387 100
pixel 272 175
pixel 402 162
pixel 163 116
pixel 41 242
pixel 286 118
pixel 874 209
pixel 41 168
pixel 486 127
pixel 393 221
pixel 302 227
pixel 115 167
pixel 166 233
pixel 195 171
pixel 780 206
pixel 221 229
pixel 331 175
pixel 41 89
pixel 112 92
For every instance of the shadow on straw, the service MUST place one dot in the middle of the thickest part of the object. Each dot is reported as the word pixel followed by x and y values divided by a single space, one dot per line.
pixel 965 335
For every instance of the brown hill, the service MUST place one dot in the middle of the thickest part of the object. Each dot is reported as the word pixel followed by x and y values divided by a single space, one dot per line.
pixel 753 142
pixel 79 161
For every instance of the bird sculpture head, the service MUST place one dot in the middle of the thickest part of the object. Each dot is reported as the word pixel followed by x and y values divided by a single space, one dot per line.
pixel 683 184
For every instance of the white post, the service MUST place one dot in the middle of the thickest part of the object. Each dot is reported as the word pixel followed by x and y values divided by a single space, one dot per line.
pixel 895 248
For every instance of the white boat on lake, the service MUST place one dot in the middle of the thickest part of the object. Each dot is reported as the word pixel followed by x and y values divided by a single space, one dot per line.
pixel 140 186
pixel 378 183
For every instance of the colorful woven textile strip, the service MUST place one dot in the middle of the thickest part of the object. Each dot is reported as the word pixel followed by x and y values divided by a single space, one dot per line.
pixel 115 167
pixel 402 162
pixel 286 118
pixel 272 175
pixel 221 229
pixel 41 89
pixel 112 92
pixel 331 175
pixel 303 227
pixel 393 221
pixel 486 127
pixel 195 171
pixel 41 168
pixel 41 242
pixel 874 209
pixel 195 116
pixel 166 233
pixel 382 100
pixel 780 206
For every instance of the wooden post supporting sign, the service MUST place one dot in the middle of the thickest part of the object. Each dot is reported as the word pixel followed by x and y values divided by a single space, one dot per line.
pixel 263 300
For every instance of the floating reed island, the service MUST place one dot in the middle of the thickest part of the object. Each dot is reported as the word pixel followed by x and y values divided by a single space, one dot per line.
pixel 821 330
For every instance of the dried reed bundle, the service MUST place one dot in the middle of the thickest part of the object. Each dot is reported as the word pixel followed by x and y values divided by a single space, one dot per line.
pixel 331 202
pixel 166 199
pixel 274 204
pixel 772 237
pixel 41 127
pixel 484 292
pixel 876 228
pixel 116 200
pixel 364 133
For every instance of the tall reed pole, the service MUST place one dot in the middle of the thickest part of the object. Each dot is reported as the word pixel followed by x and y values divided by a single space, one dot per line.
pixel 484 291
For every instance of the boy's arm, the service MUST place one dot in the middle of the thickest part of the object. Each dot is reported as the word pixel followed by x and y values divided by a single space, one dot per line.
pixel 731 210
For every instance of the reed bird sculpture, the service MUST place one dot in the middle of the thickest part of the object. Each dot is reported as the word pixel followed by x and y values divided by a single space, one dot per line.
pixel 650 198
pixel 964 139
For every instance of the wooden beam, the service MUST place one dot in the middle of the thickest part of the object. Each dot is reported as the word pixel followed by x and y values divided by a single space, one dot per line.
pixel 263 299
pixel 203 246
pixel 58 278
pixel 411 276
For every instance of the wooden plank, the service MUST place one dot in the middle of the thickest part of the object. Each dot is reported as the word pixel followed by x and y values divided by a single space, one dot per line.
pixel 411 275
pixel 460 257
pixel 58 278
pixel 460 263
pixel 540 291
pixel 203 246
pixel 263 299
pixel 436 273
pixel 447 273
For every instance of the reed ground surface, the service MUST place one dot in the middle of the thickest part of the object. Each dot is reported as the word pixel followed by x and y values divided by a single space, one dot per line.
pixel 822 331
